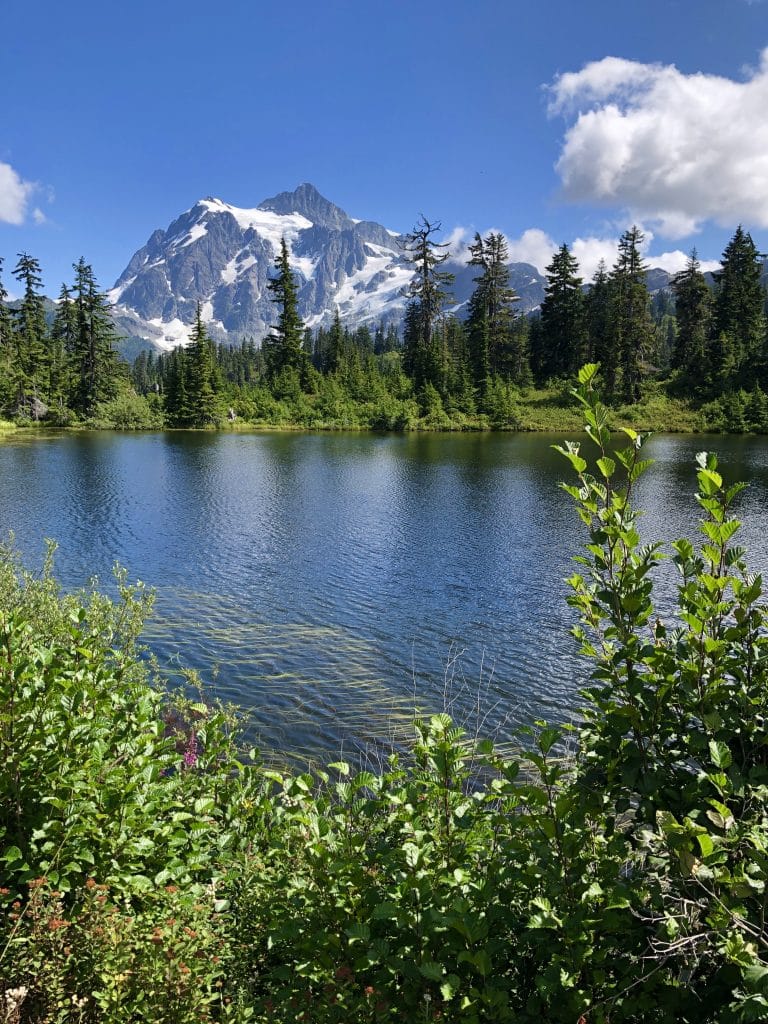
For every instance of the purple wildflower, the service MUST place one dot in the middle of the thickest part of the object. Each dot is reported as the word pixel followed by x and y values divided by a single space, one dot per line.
pixel 190 751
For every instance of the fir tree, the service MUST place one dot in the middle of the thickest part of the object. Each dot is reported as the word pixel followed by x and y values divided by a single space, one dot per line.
pixel 491 313
pixel 693 310
pixel 632 324
pixel 423 359
pixel 94 355
pixel 284 347
pixel 601 341
pixel 562 316
pixel 6 347
pixel 739 310
pixel 335 349
pixel 201 384
pixel 30 331
pixel 63 342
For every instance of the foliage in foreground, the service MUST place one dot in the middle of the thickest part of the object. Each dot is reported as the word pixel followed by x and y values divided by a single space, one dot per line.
pixel 151 873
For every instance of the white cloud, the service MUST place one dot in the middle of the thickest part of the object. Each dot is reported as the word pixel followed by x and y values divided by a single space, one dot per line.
pixel 14 195
pixel 675 150
pixel 533 246
pixel 675 261
pixel 537 247
pixel 38 216
pixel 458 242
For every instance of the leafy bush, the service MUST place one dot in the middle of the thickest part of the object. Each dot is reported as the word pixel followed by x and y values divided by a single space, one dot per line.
pixel 614 873
pixel 128 411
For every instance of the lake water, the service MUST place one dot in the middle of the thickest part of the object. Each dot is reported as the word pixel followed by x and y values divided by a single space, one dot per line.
pixel 330 583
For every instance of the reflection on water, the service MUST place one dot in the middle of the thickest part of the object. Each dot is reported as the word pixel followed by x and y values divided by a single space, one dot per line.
pixel 333 582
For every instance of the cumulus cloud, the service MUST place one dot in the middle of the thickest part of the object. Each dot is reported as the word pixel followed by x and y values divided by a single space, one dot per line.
pixel 14 195
pixel 458 243
pixel 534 246
pixel 537 247
pixel 675 150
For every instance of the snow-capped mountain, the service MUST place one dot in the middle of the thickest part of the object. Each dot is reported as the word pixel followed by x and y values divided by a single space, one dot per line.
pixel 222 256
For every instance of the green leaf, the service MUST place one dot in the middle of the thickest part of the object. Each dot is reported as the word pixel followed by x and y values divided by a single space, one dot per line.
pixel 358 932
pixel 606 466
pixel 432 971
pixel 720 754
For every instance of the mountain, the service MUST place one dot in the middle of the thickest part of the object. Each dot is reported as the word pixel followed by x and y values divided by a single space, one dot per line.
pixel 222 256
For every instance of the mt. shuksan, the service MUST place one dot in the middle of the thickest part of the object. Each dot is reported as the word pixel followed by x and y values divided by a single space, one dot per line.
pixel 222 256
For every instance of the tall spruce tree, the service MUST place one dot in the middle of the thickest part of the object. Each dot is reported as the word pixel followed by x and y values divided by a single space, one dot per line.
pixel 601 340
pixel 632 323
pixel 202 382
pixel 6 347
pixel 94 355
pixel 423 356
pixel 63 343
pixel 491 314
pixel 693 311
pixel 563 337
pixel 284 347
pixel 30 333
pixel 336 348
pixel 739 318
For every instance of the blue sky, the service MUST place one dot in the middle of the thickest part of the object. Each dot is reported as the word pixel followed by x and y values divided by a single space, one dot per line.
pixel 482 114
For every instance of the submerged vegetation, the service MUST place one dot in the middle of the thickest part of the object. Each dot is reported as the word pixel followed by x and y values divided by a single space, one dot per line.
pixel 693 356
pixel 152 871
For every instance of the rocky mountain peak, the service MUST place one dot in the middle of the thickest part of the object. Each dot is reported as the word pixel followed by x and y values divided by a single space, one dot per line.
pixel 307 201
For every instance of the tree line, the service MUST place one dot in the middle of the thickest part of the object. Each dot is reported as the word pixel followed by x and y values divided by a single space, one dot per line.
pixel 706 340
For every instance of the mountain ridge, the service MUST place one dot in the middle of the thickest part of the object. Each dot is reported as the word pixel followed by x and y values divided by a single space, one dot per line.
pixel 222 256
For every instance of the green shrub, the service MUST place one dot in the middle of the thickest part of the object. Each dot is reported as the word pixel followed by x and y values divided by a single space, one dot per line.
pixel 612 873
pixel 128 411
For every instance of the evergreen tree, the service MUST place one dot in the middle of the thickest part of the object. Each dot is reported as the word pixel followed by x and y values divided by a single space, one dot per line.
pixel 491 318
pixel 63 342
pixel 176 398
pixel 201 384
pixel 284 347
pixel 739 311
pixel 632 323
pixel 693 310
pixel 335 349
pixel 6 347
pixel 601 340
pixel 94 355
pixel 6 321
pixel 423 359
pixel 562 316
pixel 30 331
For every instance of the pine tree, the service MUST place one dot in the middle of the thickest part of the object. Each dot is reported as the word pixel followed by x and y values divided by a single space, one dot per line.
pixel 739 310
pixel 601 340
pixel 633 326
pixel 693 310
pixel 202 379
pixel 562 316
pixel 335 350
pixel 94 356
pixel 491 315
pixel 423 358
pixel 176 400
pixel 6 347
pixel 63 342
pixel 284 347
pixel 30 331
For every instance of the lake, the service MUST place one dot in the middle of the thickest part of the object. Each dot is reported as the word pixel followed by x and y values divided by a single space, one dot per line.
pixel 331 583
